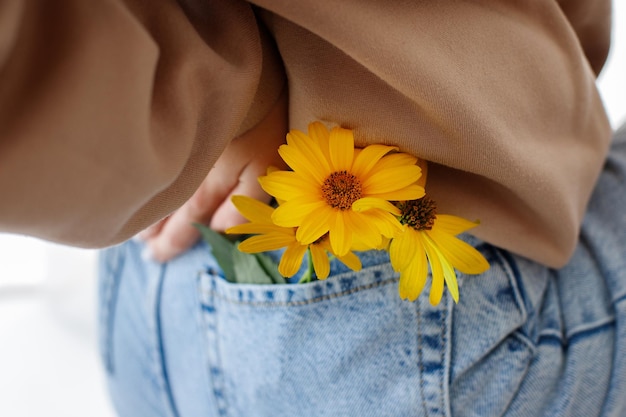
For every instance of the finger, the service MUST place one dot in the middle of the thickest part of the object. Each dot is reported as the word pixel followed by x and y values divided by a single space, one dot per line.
pixel 227 214
pixel 151 231
pixel 243 160
pixel 176 236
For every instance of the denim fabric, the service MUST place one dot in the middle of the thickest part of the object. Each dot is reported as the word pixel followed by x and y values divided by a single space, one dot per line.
pixel 524 340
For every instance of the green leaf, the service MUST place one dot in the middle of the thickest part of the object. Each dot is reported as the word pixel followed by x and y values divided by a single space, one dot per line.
pixel 271 269
pixel 222 249
pixel 248 270
pixel 237 266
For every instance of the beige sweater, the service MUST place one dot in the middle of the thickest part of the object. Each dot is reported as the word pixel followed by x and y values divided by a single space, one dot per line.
pixel 112 112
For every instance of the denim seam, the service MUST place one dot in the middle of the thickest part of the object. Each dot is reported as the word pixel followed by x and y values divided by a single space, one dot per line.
pixel 519 335
pixel 588 327
pixel 420 357
pixel 447 359
pixel 619 298
pixel 550 333
pixel 522 338
pixel 216 373
pixel 313 300
pixel 509 266
pixel 442 353
pixel 110 293
pixel 159 350
pixel 571 337
pixel 201 326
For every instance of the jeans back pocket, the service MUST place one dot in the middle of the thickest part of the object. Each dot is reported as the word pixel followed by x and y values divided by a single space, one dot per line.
pixel 344 346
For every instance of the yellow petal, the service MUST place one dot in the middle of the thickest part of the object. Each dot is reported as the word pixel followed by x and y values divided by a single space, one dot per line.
pixel 319 134
pixel 310 147
pixel 321 264
pixel 424 166
pixel 258 228
pixel 292 259
pixel 306 161
pixel 292 212
pixel 386 224
pixel 368 157
pixel 448 270
pixel 318 131
pixel 402 249
pixel 252 209
pixel 286 185
pixel 392 160
pixel 313 148
pixel 358 246
pixel 271 169
pixel 453 225
pixel 367 203
pixel 391 179
pixel 437 282
pixel 413 277
pixel 341 148
pixel 351 261
pixel 411 192
pixel 461 255
pixel 314 226
pixel 450 277
pixel 363 231
pixel 263 243
pixel 340 236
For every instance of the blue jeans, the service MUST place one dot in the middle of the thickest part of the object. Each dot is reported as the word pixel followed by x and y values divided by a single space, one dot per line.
pixel 524 340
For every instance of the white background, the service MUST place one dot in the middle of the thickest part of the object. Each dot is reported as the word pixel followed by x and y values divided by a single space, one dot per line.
pixel 49 362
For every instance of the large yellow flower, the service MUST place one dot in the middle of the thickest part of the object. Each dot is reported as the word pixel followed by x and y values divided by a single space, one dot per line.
pixel 429 238
pixel 271 237
pixel 337 190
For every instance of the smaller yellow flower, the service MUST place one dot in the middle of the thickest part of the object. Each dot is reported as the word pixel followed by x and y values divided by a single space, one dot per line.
pixel 272 237
pixel 429 238
pixel 268 236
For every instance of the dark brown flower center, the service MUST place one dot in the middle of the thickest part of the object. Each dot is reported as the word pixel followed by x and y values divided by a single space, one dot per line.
pixel 341 189
pixel 419 214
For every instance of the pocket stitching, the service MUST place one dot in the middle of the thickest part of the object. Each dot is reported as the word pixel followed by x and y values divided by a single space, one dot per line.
pixel 316 299
pixel 215 371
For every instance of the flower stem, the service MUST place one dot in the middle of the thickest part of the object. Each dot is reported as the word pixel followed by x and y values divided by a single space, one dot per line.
pixel 308 274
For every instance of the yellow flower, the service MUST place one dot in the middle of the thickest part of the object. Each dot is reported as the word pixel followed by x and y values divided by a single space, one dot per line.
pixel 337 190
pixel 429 238
pixel 271 237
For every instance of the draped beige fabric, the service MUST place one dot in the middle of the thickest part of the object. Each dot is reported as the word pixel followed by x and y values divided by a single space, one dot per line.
pixel 112 112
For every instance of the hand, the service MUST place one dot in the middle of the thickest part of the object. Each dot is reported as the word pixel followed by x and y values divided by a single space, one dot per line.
pixel 235 172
